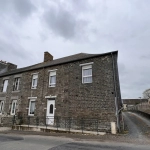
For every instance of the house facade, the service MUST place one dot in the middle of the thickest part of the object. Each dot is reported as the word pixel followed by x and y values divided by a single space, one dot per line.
pixel 77 86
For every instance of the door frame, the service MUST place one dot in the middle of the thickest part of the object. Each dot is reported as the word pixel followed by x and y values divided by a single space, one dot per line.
pixel 48 117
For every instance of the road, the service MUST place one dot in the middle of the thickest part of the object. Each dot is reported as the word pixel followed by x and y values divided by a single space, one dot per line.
pixel 29 142
pixel 137 139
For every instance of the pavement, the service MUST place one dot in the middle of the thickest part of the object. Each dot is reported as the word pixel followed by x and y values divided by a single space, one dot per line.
pixel 5 129
pixel 136 138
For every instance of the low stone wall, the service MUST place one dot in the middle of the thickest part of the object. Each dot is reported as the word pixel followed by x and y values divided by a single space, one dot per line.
pixel 88 124
pixel 53 129
pixel 147 115
pixel 7 121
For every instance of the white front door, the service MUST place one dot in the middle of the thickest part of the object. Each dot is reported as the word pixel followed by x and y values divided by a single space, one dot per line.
pixel 50 112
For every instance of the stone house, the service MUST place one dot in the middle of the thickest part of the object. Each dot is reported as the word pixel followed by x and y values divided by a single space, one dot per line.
pixel 6 66
pixel 77 86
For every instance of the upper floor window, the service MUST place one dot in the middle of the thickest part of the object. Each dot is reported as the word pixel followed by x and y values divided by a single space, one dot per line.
pixel 34 81
pixel 16 84
pixel 1 106
pixel 13 107
pixel 31 107
pixel 52 79
pixel 87 74
pixel 5 84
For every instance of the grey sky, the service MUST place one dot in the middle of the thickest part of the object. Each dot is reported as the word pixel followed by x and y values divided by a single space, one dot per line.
pixel 28 28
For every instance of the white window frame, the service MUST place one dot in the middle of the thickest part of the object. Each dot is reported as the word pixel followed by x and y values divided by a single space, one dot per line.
pixel 1 107
pixel 34 77
pixel 31 100
pixel 13 113
pixel 85 68
pixel 16 84
pixel 52 74
pixel 5 85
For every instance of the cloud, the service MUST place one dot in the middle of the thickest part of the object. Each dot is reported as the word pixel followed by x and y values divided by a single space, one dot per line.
pixel 62 22
pixel 24 7
pixel 29 28
pixel 16 8
pixel 7 50
pixel 122 69
pixel 144 57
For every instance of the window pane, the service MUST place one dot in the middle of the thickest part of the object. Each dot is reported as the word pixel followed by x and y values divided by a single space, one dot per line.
pixel 32 107
pixel 51 109
pixel 87 72
pixel 1 106
pixel 34 82
pixel 52 80
pixel 16 84
pixel 5 85
pixel 35 76
pixel 53 73
pixel 13 107
pixel 87 80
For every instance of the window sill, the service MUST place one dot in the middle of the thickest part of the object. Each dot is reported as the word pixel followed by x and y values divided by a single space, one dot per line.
pixel 87 82
pixel 30 115
pixel 15 91
pixel 12 114
pixel 3 92
pixel 34 88
pixel 51 86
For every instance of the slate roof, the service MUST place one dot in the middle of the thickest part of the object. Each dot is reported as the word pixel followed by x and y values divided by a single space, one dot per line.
pixel 133 101
pixel 72 58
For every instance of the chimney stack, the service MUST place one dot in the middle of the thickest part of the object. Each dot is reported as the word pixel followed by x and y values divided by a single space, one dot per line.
pixel 47 57
pixel 6 66
pixel 11 66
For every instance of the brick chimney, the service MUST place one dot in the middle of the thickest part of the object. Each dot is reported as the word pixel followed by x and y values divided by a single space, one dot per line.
pixel 47 57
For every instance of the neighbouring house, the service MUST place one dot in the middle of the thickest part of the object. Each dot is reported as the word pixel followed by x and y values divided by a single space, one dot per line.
pixel 6 66
pixel 78 86
pixel 129 104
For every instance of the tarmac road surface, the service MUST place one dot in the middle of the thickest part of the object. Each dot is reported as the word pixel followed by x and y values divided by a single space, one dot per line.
pixel 137 139
pixel 30 142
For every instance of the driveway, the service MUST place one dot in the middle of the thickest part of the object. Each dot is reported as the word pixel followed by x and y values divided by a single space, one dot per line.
pixel 138 126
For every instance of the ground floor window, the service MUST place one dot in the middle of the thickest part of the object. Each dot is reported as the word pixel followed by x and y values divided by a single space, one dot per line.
pixel 13 107
pixel 1 106
pixel 31 107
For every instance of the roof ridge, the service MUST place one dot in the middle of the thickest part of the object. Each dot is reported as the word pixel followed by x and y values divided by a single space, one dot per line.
pixel 67 59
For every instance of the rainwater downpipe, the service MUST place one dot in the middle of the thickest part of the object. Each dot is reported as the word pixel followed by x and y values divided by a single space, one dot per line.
pixel 43 86
pixel 116 105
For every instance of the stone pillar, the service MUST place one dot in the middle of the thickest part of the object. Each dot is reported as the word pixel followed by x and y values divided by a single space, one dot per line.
pixel 113 128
